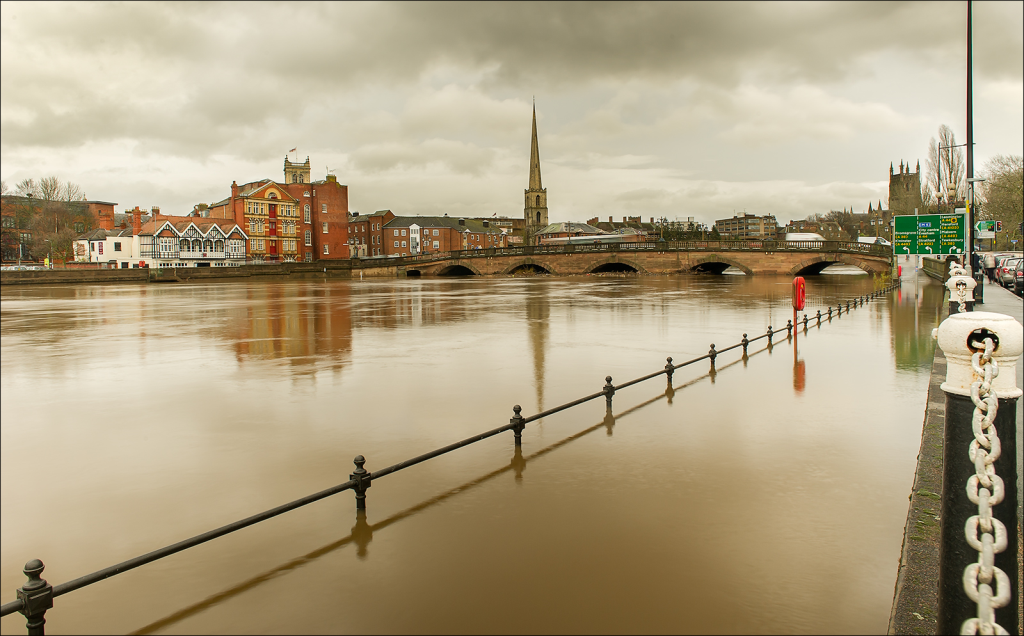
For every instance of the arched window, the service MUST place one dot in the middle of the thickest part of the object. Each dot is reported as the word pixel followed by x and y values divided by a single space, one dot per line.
pixel 183 245
pixel 197 245
pixel 218 246
pixel 295 178
pixel 538 200
pixel 538 218
pixel 300 178
pixel 273 195
pixel 208 246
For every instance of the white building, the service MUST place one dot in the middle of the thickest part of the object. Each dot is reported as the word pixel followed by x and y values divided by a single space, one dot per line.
pixel 116 249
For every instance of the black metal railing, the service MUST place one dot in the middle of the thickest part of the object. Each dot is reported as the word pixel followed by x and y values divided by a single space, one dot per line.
pixel 831 247
pixel 36 596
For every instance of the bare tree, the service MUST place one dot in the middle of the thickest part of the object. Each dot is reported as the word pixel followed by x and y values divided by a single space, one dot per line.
pixel 1003 196
pixel 52 212
pixel 951 166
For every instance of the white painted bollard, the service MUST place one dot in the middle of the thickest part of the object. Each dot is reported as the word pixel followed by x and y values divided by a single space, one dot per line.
pixel 961 289
pixel 979 527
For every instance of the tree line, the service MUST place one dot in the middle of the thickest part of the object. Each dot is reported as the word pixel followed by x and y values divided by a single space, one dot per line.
pixel 42 218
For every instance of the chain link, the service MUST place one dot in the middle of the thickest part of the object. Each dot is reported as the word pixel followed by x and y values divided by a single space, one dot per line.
pixel 986 489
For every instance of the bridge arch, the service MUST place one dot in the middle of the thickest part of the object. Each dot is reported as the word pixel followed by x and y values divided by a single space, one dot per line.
pixel 716 264
pixel 815 264
pixel 615 264
pixel 458 269
pixel 524 267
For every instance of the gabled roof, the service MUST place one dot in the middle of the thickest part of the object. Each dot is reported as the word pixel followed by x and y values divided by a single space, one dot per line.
pixel 469 225
pixel 262 187
pixel 180 225
pixel 570 227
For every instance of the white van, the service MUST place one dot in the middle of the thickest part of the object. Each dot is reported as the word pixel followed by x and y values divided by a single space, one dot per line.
pixel 878 240
pixel 804 236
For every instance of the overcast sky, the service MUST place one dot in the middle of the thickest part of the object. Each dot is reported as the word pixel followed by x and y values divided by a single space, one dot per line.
pixel 672 110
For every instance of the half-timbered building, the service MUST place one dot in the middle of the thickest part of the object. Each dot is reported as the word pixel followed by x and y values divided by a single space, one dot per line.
pixel 193 242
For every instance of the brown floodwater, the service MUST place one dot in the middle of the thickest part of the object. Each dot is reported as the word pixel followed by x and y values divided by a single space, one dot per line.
pixel 767 497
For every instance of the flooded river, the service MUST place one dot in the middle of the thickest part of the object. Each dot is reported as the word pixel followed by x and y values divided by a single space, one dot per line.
pixel 768 497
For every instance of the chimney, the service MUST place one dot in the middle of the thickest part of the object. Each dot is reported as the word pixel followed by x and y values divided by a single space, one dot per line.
pixel 652 219
pixel 234 190
pixel 106 220
pixel 136 221
pixel 609 219
pixel 623 219
pixel 155 210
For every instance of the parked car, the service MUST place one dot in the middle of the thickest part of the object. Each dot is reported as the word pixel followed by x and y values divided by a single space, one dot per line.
pixel 804 236
pixel 1018 279
pixel 876 240
pixel 1006 271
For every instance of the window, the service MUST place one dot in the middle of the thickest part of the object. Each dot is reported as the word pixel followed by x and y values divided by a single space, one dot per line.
pixel 324 225
pixel 309 238
pixel 252 245
pixel 295 178
pixel 403 232
pixel 273 195
pixel 305 194
pixel 396 245
pixel 117 247
pixel 396 232
pixel 305 214
pixel 323 207
pixel 435 232
pixel 325 249
pixel 183 245
pixel 437 245
pixel 403 243
pixel 309 257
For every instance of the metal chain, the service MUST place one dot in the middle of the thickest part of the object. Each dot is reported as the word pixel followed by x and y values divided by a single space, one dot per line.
pixel 986 489
pixel 956 269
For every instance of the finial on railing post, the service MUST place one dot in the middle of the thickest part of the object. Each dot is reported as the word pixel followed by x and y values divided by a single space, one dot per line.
pixel 805 322
pixel 830 312
pixel 669 368
pixel 770 334
pixel 712 354
pixel 362 478
pixel 745 343
pixel 517 424
pixel 609 391
pixel 847 306
pixel 36 597
pixel 789 328
pixel 819 317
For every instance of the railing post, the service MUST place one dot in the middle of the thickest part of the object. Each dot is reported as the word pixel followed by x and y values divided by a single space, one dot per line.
pixel 830 312
pixel 669 369
pixel 805 322
pixel 789 328
pixel 770 334
pixel 712 354
pixel 745 343
pixel 36 597
pixel 979 534
pixel 819 317
pixel 517 424
pixel 362 478
pixel 609 391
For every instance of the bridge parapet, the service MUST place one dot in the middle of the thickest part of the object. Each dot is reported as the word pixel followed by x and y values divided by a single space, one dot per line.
pixel 762 246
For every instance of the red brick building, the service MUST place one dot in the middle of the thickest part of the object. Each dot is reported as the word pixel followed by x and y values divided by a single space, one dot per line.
pixel 295 220
pixel 366 233
pixel 409 235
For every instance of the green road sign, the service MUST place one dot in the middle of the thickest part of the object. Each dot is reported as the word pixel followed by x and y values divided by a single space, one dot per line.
pixel 929 234
pixel 985 226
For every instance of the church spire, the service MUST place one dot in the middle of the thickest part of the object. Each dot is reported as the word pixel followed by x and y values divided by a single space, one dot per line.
pixel 535 156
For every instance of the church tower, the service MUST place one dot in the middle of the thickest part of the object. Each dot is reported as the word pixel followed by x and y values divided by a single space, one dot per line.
pixel 295 172
pixel 536 209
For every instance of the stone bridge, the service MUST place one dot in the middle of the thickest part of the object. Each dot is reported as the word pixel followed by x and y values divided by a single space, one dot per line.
pixel 751 257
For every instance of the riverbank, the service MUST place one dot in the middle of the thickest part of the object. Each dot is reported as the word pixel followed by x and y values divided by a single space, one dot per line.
pixel 183 274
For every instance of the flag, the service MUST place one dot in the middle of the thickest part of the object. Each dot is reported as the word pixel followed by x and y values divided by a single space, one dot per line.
pixel 293 149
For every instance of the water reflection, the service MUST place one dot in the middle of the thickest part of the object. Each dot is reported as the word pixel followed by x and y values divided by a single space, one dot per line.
pixel 212 426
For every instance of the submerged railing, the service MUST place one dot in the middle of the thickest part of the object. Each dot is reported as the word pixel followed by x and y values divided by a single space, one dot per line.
pixel 36 596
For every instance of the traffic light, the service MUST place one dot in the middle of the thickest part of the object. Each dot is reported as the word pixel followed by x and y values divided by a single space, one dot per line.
pixel 999 226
